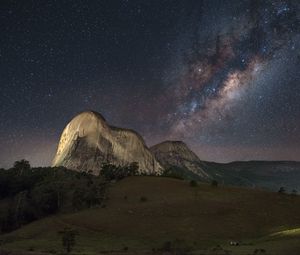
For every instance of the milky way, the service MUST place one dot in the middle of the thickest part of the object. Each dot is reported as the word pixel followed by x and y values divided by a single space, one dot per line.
pixel 215 79
pixel 221 75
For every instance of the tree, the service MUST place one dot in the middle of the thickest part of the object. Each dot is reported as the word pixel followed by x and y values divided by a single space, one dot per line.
pixel 193 183
pixel 22 165
pixel 214 183
pixel 45 198
pixel 111 172
pixel 133 168
pixel 143 199
pixel 177 246
pixel 40 192
pixel 294 192
pixel 108 171
pixel 68 239
pixel 281 190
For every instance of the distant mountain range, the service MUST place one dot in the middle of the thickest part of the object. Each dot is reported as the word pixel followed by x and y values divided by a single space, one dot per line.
pixel 88 141
pixel 265 174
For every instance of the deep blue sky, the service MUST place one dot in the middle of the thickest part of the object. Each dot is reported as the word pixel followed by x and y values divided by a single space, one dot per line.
pixel 223 76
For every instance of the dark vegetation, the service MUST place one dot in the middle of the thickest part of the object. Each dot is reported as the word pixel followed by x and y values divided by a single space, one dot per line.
pixel 214 183
pixel 111 172
pixel 177 246
pixel 143 199
pixel 193 183
pixel 68 239
pixel 281 190
pixel 28 194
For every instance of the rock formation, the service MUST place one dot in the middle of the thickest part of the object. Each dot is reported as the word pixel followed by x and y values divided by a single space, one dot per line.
pixel 176 154
pixel 88 141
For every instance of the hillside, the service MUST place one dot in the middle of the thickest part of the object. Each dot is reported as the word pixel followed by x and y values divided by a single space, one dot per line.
pixel 143 213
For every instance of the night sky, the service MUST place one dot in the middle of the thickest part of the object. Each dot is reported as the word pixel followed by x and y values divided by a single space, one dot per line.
pixel 223 76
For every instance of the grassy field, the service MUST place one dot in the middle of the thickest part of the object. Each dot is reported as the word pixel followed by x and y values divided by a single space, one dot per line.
pixel 143 213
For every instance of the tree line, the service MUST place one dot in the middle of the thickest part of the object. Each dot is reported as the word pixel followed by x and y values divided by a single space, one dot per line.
pixel 30 193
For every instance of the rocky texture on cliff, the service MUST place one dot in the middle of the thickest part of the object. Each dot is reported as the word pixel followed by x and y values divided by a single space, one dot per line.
pixel 88 141
pixel 177 155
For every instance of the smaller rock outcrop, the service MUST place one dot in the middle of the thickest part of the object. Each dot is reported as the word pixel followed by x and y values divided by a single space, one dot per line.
pixel 176 154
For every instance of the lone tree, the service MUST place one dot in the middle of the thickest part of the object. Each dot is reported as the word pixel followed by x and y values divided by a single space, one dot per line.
pixel 68 239
pixel 281 190
pixel 214 183
pixel 193 183
pixel 294 192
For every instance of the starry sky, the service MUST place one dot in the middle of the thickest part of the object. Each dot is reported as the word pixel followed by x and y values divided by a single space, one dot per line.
pixel 223 76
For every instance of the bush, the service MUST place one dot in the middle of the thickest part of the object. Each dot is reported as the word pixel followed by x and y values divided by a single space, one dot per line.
pixel 68 239
pixel 281 190
pixel 193 183
pixel 143 199
pixel 294 192
pixel 259 251
pixel 167 246
pixel 214 183
pixel 177 246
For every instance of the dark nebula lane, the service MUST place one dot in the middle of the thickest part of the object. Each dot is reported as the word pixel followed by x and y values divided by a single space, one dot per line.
pixel 221 75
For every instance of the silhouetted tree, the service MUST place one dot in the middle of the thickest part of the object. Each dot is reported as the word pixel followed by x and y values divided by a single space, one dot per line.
pixel 68 239
pixel 177 246
pixel 281 190
pixel 214 183
pixel 143 199
pixel 22 166
pixel 108 171
pixel 193 183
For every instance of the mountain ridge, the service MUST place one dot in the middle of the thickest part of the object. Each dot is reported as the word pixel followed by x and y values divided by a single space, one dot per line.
pixel 88 141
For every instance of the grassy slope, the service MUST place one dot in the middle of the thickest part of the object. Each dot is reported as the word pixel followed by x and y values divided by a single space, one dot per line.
pixel 204 216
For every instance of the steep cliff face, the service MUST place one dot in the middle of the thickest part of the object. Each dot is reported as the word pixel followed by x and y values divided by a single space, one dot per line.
pixel 177 154
pixel 88 141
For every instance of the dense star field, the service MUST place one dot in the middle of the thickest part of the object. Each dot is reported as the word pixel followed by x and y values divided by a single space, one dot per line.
pixel 223 76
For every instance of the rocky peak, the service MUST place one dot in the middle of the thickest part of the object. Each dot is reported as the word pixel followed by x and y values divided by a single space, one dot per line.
pixel 178 154
pixel 88 141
